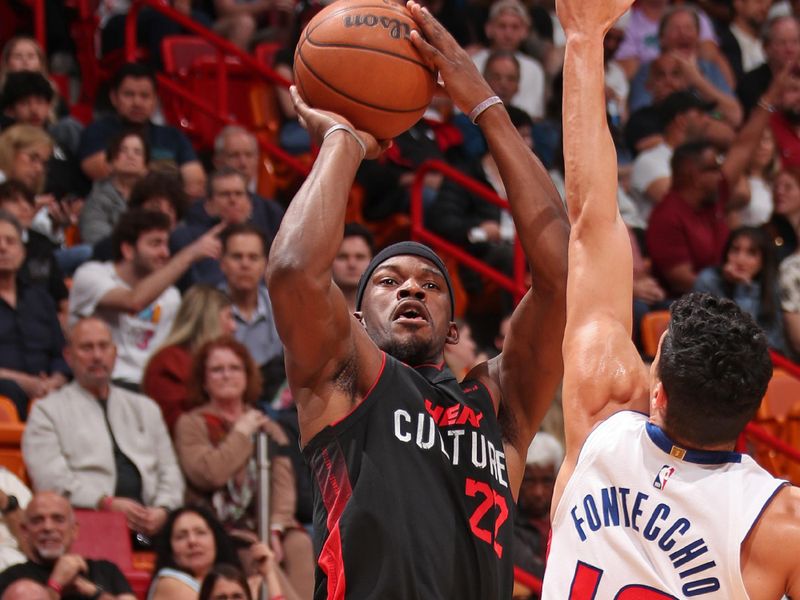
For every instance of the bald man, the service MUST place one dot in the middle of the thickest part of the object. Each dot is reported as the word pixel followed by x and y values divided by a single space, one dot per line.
pixel 50 529
pixel 26 589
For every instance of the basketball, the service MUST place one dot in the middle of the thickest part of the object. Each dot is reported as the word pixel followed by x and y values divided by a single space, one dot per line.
pixel 355 58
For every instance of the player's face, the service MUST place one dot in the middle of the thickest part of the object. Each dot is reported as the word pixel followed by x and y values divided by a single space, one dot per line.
pixel 50 526
pixel 135 100
pixel 91 353
pixel 152 251
pixel 32 110
pixel 506 31
pixel 229 200
pixel 351 261
pixel 786 195
pixel 192 542
pixel 406 310
pixel 536 491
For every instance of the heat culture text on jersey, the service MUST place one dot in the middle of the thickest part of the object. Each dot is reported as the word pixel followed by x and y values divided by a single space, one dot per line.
pixel 656 522
pixel 453 431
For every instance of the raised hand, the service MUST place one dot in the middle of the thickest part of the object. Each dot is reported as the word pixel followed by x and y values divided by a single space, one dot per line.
pixel 590 16
pixel 462 81
pixel 208 245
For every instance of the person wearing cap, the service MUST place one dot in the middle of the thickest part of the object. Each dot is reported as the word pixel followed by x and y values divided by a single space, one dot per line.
pixel 506 29
pixel 685 118
pixel 416 475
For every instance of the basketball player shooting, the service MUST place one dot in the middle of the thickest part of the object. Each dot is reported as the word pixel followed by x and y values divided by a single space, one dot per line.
pixel 416 474
pixel 660 506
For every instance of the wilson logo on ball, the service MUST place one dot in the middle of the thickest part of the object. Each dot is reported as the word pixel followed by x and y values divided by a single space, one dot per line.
pixel 397 30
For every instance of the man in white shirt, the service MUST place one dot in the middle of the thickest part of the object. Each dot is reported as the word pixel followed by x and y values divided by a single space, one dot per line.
pixel 134 295
pixel 507 27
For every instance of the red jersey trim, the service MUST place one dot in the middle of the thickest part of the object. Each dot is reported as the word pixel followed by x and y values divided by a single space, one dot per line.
pixel 336 493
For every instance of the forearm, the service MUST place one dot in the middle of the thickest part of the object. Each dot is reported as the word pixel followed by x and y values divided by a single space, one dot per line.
pixel 313 226
pixel 151 287
pixel 727 105
pixel 535 203
pixel 229 8
pixel 588 147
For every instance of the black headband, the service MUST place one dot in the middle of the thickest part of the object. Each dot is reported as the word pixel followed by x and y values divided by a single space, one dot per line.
pixel 402 249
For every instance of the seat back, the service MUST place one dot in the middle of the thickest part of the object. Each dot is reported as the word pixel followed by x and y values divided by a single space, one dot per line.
pixel 653 325
pixel 11 448
pixel 8 410
pixel 179 52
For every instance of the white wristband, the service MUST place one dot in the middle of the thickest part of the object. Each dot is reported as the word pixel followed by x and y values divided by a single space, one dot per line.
pixel 351 131
pixel 478 110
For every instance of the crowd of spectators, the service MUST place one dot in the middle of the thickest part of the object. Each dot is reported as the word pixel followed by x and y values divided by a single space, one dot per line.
pixel 136 331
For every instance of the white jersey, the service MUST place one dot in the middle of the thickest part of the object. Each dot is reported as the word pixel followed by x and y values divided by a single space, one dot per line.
pixel 641 518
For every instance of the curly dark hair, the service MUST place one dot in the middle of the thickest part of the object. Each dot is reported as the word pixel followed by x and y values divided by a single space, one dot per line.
pixel 224 572
pixel 226 553
pixel 715 367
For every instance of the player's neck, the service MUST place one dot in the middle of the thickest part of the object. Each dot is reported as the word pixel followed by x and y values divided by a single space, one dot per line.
pixel 682 443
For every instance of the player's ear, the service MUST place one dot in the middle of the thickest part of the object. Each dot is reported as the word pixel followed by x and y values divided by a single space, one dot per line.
pixel 452 333
pixel 360 318
pixel 658 399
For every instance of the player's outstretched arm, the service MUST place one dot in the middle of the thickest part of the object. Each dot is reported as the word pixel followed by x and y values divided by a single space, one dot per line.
pixel 530 368
pixel 318 333
pixel 602 370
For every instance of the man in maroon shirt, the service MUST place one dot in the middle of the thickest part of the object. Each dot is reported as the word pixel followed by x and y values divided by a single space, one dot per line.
pixel 687 229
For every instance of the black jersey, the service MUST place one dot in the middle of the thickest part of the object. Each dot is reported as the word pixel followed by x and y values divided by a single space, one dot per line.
pixel 412 499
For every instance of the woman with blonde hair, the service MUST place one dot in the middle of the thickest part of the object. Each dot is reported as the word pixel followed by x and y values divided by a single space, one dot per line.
pixel 204 315
pixel 24 152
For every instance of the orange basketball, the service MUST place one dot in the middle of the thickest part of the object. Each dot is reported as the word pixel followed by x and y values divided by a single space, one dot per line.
pixel 356 58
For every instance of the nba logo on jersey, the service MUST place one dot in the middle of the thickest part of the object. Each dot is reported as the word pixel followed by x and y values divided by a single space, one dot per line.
pixel 661 479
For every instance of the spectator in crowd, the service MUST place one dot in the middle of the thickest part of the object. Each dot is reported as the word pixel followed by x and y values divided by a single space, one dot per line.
pixel 240 22
pixel 236 148
pixel 648 294
pixel 781 41
pixel 679 35
pixel 14 498
pixel 31 341
pixel 50 529
pixel 23 53
pixel 785 122
pixel 687 229
pixel 204 315
pixel 215 445
pixel 358 246
pixel 507 27
pixel 293 137
pixel 756 185
pixel 226 581
pixel 244 263
pixel 24 152
pixel 748 275
pixel 26 589
pixel 228 203
pixel 190 545
pixel 103 446
pixel 127 156
pixel 641 42
pixel 27 99
pixel 134 294
pixel 159 191
pixel 685 119
pixel 784 224
pixel 134 98
pixel 40 266
pixel 740 41
pixel 462 357
pixel 532 526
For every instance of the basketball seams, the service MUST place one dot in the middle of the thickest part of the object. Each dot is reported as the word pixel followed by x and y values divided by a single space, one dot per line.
pixel 367 49
pixel 347 96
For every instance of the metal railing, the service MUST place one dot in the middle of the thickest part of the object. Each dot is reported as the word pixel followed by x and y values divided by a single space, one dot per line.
pixel 515 284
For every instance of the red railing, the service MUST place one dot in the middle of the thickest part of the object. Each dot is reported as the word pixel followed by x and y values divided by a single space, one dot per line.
pixel 515 285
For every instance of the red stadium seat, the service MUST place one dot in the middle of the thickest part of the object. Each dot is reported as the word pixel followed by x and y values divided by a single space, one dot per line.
pixel 105 535
pixel 653 325
pixel 10 447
